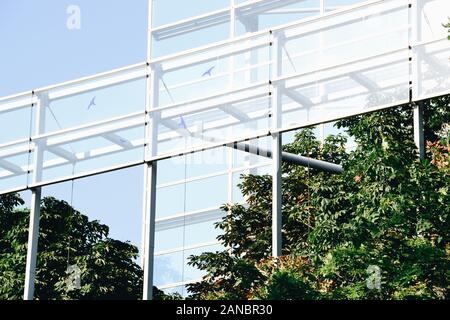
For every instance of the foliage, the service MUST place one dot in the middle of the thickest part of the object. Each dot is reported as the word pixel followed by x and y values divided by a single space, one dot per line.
pixel 388 209
pixel 108 267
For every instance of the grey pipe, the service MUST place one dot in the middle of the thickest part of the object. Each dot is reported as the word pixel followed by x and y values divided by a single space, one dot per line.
pixel 292 158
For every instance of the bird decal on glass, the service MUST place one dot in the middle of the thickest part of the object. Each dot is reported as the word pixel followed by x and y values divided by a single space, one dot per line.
pixel 182 123
pixel 208 72
pixel 92 103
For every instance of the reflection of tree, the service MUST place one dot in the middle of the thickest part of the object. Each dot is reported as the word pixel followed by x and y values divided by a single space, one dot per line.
pixel 165 271
pixel 108 268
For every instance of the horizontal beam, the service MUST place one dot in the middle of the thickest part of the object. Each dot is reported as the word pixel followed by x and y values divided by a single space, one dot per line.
pixel 297 97
pixel 11 167
pixel 365 81
pixel 183 219
pixel 116 139
pixel 191 24
pixel 63 153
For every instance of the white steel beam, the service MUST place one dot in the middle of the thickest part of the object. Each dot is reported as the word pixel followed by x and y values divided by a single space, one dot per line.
pixel 11 167
pixel 117 139
pixel 150 214
pixel 32 245
pixel 188 25
pixel 235 112
pixel 276 195
pixel 298 97
pixel 33 229
pixel 418 129
pixel 365 81
pixel 277 45
pixel 63 153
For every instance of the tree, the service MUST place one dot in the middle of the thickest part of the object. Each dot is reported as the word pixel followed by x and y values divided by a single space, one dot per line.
pixel 66 237
pixel 387 213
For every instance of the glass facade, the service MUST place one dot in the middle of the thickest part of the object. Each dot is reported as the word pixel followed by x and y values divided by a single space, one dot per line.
pixel 221 78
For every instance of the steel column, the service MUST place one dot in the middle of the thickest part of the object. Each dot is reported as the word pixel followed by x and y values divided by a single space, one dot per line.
pixel 150 214
pixel 276 151
pixel 418 128
pixel 33 227
pixel 33 233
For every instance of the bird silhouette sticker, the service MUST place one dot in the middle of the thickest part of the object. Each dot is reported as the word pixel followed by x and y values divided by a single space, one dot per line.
pixel 92 103
pixel 182 123
pixel 208 72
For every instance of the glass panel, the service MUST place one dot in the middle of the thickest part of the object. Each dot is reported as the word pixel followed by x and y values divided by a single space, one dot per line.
pixel 431 16
pixel 432 69
pixel 164 13
pixel 166 40
pixel 327 42
pixel 214 121
pixel 97 100
pixel 192 273
pixel 14 166
pixel 80 151
pixel 90 238
pixel 175 199
pixel 205 74
pixel 180 235
pixel 16 125
pixel 263 15
pixel 91 125
pixel 168 269
pixel 331 5
pixel 430 66
pixel 187 209
pixel 332 84
pixel 212 97
pixel 172 269
pixel 16 117
pixel 191 230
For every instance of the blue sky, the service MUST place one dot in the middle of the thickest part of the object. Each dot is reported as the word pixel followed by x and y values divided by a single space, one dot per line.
pixel 38 49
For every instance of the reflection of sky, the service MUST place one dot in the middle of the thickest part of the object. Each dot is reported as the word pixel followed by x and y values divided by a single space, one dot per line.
pixel 39 50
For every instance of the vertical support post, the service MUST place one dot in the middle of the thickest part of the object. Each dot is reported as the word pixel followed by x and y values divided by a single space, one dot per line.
pixel 33 227
pixel 33 233
pixel 322 7
pixel 276 151
pixel 150 209
pixel 232 18
pixel 418 128
pixel 150 168
pixel 415 36
pixel 229 151
pixel 276 195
